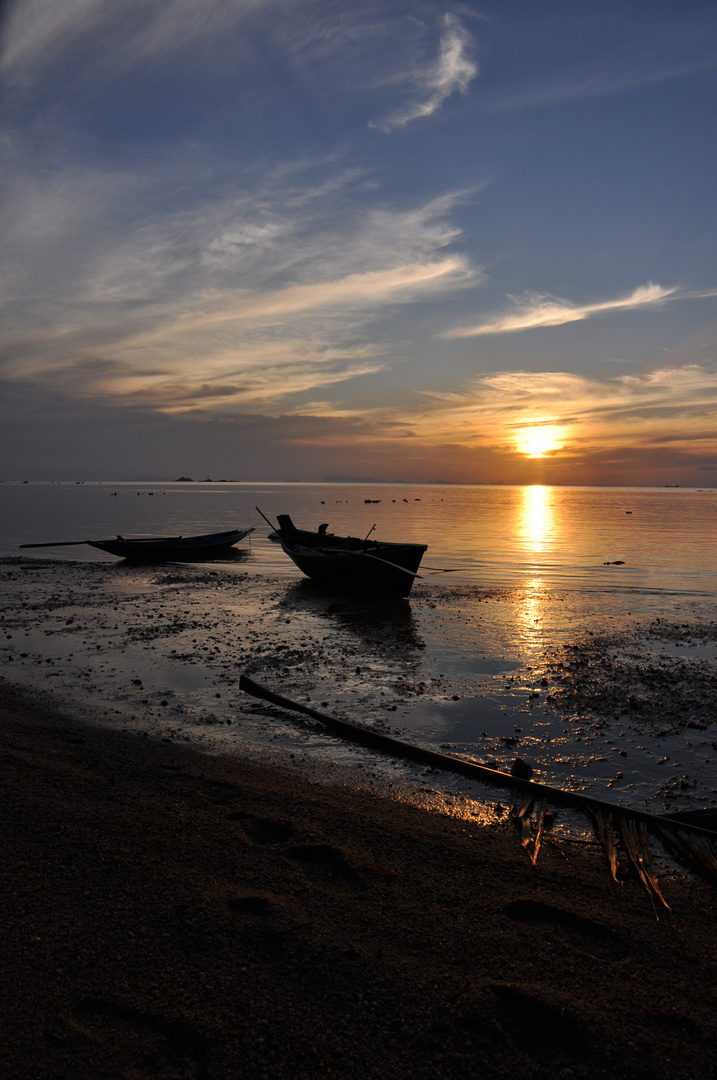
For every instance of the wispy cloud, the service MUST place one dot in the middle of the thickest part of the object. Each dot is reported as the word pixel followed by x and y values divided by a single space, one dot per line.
pixel 451 72
pixel 260 349
pixel 498 412
pixel 255 295
pixel 537 309
pixel 674 406
pixel 33 28
pixel 355 292
pixel 259 376
pixel 37 33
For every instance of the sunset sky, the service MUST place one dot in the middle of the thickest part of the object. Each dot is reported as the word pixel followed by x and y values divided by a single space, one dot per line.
pixel 405 239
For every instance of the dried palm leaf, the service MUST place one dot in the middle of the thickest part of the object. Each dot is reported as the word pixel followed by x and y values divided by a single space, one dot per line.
pixel 539 828
pixel 695 850
pixel 605 834
pixel 520 813
pixel 637 842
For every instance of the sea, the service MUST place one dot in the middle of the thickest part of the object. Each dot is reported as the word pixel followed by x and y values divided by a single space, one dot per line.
pixel 573 627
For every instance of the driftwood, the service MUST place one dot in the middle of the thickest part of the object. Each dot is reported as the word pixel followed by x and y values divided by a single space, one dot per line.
pixel 688 840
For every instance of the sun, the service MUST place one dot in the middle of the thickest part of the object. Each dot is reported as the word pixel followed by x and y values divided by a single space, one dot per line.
pixel 539 442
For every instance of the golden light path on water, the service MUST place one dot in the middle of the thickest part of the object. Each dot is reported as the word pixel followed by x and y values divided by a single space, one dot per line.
pixel 535 527
pixel 535 517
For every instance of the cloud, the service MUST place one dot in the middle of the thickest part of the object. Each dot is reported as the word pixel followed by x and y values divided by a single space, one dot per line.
pixel 255 345
pixel 355 292
pixel 258 377
pixel 34 28
pixel 536 310
pixel 38 33
pixel 113 283
pixel 671 408
pixel 452 71
pixel 675 406
pixel 622 430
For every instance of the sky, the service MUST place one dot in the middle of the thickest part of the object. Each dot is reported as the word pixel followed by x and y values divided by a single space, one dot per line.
pixel 400 239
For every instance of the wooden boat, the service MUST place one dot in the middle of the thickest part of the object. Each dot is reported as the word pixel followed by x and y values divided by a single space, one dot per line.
pixel 160 549
pixel 347 564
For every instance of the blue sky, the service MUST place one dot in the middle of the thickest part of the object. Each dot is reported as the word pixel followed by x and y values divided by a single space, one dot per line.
pixel 269 239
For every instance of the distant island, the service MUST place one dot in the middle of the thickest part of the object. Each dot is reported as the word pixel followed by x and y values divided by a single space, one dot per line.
pixel 340 478
pixel 332 478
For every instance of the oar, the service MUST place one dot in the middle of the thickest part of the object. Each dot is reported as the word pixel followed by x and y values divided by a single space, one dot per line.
pixel 272 527
pixel 58 543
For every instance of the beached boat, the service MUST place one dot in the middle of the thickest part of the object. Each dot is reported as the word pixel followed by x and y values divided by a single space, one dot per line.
pixel 161 549
pixel 347 564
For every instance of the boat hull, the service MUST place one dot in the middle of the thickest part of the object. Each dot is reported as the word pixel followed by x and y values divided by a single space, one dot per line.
pixel 378 570
pixel 163 549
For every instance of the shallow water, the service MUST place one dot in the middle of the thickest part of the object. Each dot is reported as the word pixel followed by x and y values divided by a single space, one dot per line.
pixel 606 539
pixel 536 645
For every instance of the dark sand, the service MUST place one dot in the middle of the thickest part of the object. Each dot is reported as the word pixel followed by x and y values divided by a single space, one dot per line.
pixel 167 914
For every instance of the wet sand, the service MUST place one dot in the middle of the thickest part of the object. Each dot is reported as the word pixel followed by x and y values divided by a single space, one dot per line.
pixel 173 914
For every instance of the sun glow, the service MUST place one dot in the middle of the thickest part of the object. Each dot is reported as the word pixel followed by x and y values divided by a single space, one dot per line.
pixel 539 442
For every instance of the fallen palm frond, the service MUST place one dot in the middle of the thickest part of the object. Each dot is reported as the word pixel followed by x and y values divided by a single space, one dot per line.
pixel 692 843
pixel 539 829
pixel 637 843
pixel 523 813
pixel 605 833
pixel 692 847
pixel 523 816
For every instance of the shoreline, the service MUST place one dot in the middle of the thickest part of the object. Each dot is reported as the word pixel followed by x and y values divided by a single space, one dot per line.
pixel 620 703
pixel 175 914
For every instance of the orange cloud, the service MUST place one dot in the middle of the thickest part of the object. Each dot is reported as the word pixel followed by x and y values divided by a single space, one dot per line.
pixel 566 414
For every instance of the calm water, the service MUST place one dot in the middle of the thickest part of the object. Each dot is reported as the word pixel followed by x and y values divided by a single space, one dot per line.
pixel 469 662
pixel 666 539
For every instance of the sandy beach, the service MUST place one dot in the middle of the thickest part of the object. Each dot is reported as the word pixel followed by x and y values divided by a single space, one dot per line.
pixel 196 883
pixel 173 914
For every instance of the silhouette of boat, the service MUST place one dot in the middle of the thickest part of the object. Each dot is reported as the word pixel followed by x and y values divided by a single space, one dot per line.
pixel 160 549
pixel 347 564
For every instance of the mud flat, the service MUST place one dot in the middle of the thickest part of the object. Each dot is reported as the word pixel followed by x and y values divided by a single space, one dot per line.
pixel 596 692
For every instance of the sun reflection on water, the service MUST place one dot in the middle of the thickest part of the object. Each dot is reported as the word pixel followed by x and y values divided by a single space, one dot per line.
pixel 530 614
pixel 535 518
pixel 535 527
